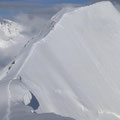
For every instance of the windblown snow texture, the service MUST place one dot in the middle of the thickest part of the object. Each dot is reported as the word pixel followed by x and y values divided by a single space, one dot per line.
pixel 71 68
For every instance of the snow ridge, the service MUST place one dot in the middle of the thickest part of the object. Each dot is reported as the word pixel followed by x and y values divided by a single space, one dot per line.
pixel 71 64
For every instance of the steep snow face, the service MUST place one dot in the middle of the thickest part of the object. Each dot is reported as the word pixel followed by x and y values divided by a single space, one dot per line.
pixel 74 70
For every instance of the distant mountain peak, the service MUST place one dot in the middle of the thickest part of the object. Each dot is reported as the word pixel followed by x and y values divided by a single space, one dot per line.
pixel 9 32
pixel 10 28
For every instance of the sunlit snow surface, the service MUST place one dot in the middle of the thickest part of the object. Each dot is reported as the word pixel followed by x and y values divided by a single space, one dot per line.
pixel 72 69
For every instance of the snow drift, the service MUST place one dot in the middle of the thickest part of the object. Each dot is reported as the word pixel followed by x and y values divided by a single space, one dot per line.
pixel 73 69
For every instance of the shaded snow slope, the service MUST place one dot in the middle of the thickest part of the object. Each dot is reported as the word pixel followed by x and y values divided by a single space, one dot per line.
pixel 74 70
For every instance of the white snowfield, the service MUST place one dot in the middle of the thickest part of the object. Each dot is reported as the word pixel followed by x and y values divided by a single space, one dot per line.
pixel 71 69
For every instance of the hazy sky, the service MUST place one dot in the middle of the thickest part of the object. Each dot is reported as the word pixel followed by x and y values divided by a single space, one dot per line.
pixel 9 8
pixel 44 8
pixel 47 1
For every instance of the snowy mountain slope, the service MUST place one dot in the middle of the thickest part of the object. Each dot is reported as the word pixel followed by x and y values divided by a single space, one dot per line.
pixel 9 75
pixel 11 41
pixel 74 70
